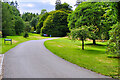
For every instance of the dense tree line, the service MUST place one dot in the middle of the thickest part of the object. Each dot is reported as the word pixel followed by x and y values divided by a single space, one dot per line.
pixel 31 19
pixel 12 23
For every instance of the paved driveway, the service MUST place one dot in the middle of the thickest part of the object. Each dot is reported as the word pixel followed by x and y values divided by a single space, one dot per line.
pixel 32 60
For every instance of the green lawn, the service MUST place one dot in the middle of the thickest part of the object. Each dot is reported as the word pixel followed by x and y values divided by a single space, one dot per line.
pixel 93 57
pixel 17 40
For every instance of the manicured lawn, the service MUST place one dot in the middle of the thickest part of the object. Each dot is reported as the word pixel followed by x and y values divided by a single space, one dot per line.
pixel 17 40
pixel 93 57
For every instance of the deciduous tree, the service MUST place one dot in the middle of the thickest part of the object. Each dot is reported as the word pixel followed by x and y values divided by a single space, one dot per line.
pixel 80 33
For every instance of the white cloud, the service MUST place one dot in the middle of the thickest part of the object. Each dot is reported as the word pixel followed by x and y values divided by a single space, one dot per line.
pixel 52 2
pixel 28 5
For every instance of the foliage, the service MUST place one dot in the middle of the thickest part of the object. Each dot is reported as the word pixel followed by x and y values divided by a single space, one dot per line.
pixel 15 4
pixel 114 41
pixel 12 23
pixel 27 27
pixel 64 7
pixel 58 5
pixel 56 24
pixel 8 24
pixel 40 22
pixel 93 33
pixel 83 15
pixel 25 35
pixel 93 13
pixel 19 25
pixel 15 11
pixel 34 22
pixel 43 11
pixel 89 14
pixel 28 16
pixel 32 29
pixel 80 33
pixel 108 19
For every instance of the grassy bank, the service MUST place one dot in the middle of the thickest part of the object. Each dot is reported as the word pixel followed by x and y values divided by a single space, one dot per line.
pixel 93 57
pixel 17 40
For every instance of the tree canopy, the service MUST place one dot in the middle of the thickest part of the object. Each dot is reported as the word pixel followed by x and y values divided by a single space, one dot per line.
pixel 8 24
pixel 12 23
pixel 64 7
pixel 55 24
pixel 41 21
pixel 80 33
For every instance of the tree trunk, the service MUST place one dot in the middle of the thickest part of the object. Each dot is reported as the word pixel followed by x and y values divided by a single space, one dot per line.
pixel 82 44
pixel 94 42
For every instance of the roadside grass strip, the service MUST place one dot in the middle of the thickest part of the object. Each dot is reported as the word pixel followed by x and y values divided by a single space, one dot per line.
pixel 94 57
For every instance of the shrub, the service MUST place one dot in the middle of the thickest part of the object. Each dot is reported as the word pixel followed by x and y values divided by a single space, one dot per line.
pixel 25 35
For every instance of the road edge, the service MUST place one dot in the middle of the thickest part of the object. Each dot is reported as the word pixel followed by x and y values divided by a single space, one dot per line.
pixel 1 66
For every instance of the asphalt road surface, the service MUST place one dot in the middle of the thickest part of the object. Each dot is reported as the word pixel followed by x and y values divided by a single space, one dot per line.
pixel 32 60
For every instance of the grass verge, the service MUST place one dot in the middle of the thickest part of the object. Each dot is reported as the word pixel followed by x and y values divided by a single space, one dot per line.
pixel 93 57
pixel 17 40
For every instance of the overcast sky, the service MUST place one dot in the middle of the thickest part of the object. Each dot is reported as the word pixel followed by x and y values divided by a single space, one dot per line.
pixel 35 6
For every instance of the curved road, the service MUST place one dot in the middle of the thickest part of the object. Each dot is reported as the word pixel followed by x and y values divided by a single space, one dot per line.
pixel 32 60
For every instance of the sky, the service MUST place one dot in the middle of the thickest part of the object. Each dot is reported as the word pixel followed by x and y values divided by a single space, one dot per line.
pixel 35 6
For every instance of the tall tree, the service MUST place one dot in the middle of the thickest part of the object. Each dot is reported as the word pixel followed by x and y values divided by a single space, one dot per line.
pixel 19 25
pixel 114 41
pixel 8 24
pixel 56 24
pixel 64 7
pixel 40 22
pixel 34 22
pixel 58 5
pixel 28 16
pixel 88 14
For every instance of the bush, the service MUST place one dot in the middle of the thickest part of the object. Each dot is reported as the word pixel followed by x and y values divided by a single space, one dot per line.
pixel 25 35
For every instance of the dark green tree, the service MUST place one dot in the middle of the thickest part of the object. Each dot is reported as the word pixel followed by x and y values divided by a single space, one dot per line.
pixel 34 22
pixel 87 13
pixel 19 25
pixel 56 24
pixel 27 27
pixel 8 24
pixel 40 22
pixel 58 5
pixel 28 16
pixel 16 12
pixel 64 7
pixel 114 41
